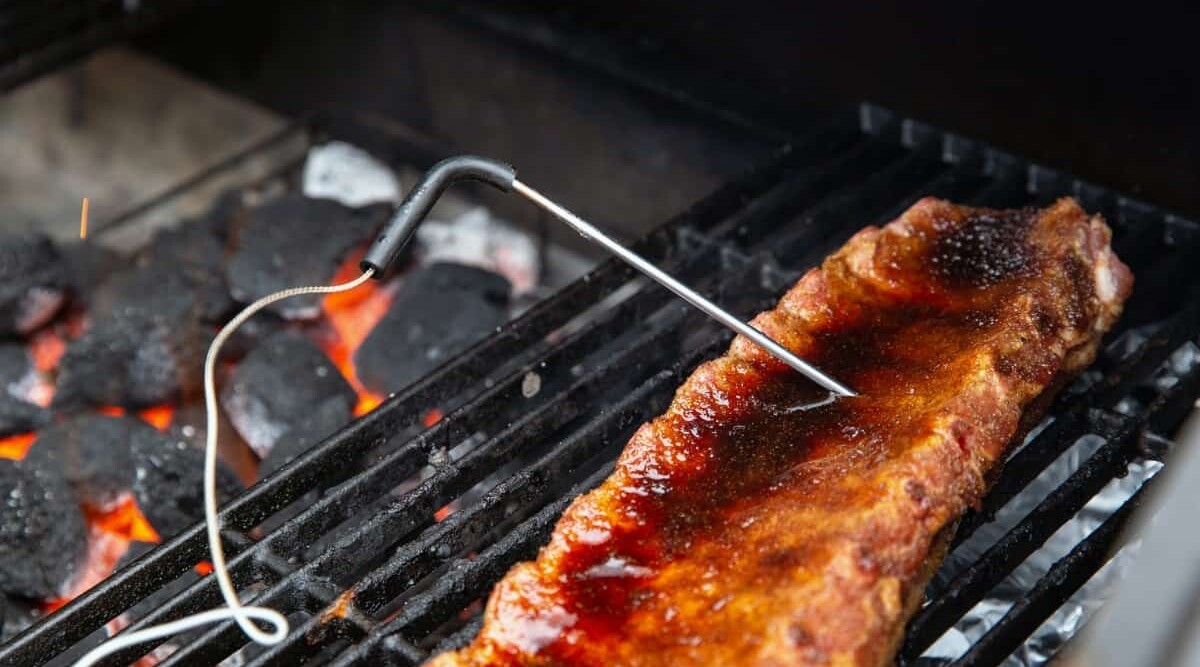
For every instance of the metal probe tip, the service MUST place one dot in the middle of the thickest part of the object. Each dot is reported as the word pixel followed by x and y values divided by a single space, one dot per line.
pixel 588 231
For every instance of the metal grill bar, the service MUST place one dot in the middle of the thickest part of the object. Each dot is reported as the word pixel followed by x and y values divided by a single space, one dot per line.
pixel 464 578
pixel 1068 575
pixel 994 565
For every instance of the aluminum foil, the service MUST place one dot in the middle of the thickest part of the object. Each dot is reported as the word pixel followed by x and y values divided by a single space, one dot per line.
pixel 1045 642
pixel 1069 618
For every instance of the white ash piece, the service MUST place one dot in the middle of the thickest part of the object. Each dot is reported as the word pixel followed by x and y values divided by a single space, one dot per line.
pixel 349 175
pixel 477 238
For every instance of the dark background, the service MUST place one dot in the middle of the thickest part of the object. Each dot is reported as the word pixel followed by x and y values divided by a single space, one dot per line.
pixel 1109 93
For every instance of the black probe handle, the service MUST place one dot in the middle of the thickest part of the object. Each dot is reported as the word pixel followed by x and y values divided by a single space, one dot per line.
pixel 423 196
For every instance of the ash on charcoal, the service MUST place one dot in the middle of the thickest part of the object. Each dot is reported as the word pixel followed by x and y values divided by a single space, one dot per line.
pixel 132 360
pixel 17 374
pixel 277 386
pixel 294 240
pixel 477 238
pixel 313 428
pixel 94 454
pixel 168 476
pixel 87 266
pixel 32 282
pixel 439 311
pixel 337 170
pixel 42 532
pixel 19 378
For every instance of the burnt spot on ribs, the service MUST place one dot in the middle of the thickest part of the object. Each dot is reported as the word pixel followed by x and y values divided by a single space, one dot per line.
pixel 94 454
pixel 985 248
pixel 277 386
pixel 42 533
pixel 294 240
pixel 32 283
pixel 439 311
pixel 132 360
pixel 168 476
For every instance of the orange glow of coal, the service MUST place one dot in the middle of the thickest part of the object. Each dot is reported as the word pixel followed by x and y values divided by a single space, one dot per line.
pixel 111 410
pixel 159 416
pixel 204 568
pixel 15 447
pixel 353 315
pixel 124 519
pixel 110 531
pixel 47 347
pixel 442 513
pixel 432 417
pixel 104 550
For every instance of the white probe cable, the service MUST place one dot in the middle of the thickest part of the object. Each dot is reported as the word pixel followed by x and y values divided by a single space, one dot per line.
pixel 233 605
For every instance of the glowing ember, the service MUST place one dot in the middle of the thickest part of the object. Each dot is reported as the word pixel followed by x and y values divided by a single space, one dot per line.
pixel 110 531
pixel 443 512
pixel 103 552
pixel 14 447
pixel 111 410
pixel 47 348
pixel 123 519
pixel 432 417
pixel 353 315
pixel 159 417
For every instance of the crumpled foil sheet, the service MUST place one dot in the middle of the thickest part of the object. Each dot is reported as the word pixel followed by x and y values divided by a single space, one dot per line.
pixel 1064 623
pixel 1045 642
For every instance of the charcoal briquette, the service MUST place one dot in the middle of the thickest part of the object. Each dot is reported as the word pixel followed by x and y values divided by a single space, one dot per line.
pixel 330 416
pixel 133 361
pixel 94 453
pixel 168 476
pixel 32 282
pixel 43 537
pixel 294 240
pixel 440 310
pixel 278 385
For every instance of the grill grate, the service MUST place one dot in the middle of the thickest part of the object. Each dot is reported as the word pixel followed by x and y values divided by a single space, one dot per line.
pixel 369 576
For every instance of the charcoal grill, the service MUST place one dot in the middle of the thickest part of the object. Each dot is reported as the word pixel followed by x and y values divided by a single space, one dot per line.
pixel 369 576
pixel 390 585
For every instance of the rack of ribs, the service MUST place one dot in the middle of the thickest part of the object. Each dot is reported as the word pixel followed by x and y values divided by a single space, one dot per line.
pixel 757 521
